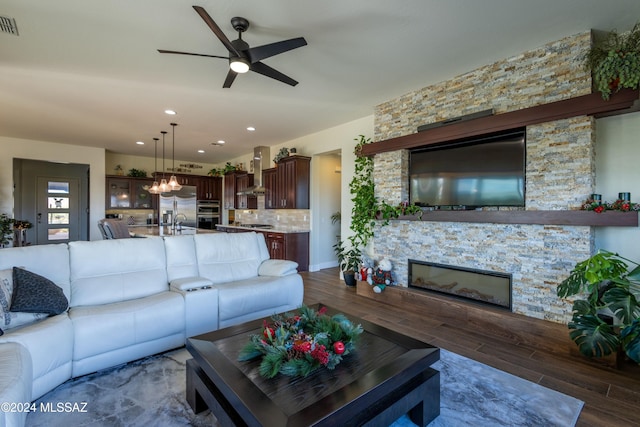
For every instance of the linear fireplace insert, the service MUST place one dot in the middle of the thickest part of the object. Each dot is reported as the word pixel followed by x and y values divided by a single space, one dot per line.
pixel 489 287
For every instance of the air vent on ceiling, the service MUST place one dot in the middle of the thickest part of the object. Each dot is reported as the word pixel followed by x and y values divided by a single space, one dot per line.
pixel 8 25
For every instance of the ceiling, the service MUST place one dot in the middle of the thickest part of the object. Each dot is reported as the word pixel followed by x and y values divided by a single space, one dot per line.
pixel 87 72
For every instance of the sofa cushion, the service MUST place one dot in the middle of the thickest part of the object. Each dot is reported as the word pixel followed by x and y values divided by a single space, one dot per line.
pixel 181 257
pixel 33 293
pixel 228 257
pixel 256 296
pixel 9 319
pixel 103 328
pixel 50 343
pixel 108 271
pixel 50 261
pixel 277 267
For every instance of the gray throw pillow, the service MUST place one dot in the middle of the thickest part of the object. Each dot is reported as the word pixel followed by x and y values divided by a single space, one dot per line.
pixel 33 293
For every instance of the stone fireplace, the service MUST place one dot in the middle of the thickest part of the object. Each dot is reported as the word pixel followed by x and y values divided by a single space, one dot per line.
pixel 560 174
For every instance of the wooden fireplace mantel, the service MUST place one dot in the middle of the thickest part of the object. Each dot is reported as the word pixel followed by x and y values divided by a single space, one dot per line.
pixel 566 217
pixel 621 102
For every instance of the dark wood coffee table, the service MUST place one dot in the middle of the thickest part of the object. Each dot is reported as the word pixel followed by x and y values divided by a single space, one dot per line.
pixel 388 375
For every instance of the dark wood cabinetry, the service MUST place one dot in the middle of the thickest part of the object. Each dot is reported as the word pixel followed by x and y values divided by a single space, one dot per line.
pixel 288 188
pixel 235 182
pixel 129 193
pixel 269 180
pixel 209 188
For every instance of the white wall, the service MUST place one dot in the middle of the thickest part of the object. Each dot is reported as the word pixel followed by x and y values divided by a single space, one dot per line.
pixel 53 152
pixel 617 157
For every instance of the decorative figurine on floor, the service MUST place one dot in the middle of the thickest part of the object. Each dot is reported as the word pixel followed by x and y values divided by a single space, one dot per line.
pixel 381 277
pixel 366 269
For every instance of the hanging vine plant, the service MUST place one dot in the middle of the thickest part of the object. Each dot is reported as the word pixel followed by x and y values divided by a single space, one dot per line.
pixel 615 62
pixel 365 204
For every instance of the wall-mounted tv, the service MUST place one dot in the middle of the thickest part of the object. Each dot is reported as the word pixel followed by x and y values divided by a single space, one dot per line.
pixel 479 172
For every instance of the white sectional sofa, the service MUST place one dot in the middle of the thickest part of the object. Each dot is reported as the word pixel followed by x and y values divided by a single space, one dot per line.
pixel 130 298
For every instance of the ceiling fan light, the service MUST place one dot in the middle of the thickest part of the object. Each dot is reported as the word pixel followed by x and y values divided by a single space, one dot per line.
pixel 239 65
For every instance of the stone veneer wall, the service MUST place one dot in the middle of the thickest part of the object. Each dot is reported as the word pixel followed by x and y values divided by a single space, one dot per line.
pixel 559 175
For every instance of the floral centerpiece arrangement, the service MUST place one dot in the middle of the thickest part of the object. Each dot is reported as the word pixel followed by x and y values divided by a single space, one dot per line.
pixel 618 205
pixel 297 344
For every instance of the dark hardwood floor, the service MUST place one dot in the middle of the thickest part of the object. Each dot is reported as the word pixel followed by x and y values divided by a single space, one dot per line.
pixel 546 356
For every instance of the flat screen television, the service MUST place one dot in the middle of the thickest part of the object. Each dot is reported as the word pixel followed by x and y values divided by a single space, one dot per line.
pixel 480 172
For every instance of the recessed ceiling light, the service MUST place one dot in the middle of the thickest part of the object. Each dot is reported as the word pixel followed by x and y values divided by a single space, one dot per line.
pixel 251 128
pixel 200 151
pixel 220 141
pixel 140 142
pixel 170 112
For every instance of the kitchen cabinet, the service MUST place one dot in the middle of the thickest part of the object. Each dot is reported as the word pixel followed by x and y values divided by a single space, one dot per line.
pixel 269 179
pixel 129 193
pixel 290 246
pixel 209 188
pixel 292 183
pixel 235 182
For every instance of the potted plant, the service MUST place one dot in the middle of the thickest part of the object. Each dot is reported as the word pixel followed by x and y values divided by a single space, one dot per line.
pixel 6 232
pixel 608 319
pixel 614 61
pixel 349 262
pixel 284 152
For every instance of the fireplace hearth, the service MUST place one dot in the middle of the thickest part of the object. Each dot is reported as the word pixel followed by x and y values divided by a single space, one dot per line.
pixel 487 287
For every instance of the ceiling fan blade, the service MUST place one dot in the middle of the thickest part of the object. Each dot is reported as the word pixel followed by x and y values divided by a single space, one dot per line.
pixel 216 30
pixel 259 53
pixel 265 70
pixel 231 76
pixel 194 54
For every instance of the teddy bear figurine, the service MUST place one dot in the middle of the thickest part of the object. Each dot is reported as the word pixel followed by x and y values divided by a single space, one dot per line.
pixel 381 276
pixel 366 269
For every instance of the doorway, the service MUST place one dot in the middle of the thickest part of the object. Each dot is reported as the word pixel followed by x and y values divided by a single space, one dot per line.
pixel 54 197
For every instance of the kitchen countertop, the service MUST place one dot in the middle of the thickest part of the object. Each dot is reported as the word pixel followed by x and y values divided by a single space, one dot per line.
pixel 154 230
pixel 275 228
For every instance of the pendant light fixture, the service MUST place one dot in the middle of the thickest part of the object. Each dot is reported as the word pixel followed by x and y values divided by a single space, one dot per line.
pixel 155 188
pixel 173 181
pixel 164 187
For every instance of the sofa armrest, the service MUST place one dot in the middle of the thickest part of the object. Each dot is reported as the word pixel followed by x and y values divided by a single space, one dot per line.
pixel 277 267
pixel 201 304
pixel 189 284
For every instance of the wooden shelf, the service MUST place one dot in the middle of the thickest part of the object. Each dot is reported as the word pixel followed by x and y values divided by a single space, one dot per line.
pixel 573 218
pixel 591 105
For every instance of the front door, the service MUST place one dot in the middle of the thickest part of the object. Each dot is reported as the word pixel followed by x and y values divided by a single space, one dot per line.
pixel 57 210
pixel 54 197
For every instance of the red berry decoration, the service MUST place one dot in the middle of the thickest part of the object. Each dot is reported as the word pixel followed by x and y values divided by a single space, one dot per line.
pixel 269 333
pixel 338 347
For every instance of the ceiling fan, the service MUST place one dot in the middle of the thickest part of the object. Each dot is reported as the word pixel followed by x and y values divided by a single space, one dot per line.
pixel 243 58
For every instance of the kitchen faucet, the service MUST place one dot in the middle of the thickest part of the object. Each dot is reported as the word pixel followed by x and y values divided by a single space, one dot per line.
pixel 177 221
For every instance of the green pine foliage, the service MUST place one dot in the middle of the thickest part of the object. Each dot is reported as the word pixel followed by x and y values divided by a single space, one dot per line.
pixel 301 343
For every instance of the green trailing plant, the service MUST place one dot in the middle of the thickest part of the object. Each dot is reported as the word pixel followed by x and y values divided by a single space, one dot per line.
pixel 388 212
pixel 228 167
pixel 608 320
pixel 365 204
pixel 614 61
pixel 137 173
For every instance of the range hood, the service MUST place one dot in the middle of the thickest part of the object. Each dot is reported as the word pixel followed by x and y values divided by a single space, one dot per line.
pixel 260 154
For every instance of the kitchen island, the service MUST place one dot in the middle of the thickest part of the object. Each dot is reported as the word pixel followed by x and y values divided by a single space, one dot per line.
pixel 282 242
pixel 155 230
